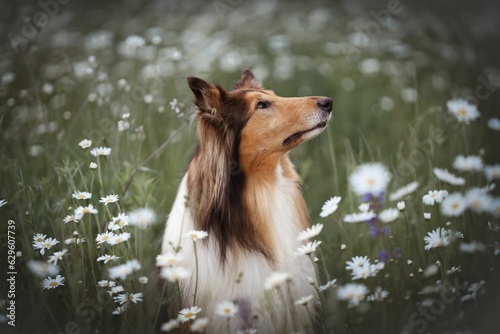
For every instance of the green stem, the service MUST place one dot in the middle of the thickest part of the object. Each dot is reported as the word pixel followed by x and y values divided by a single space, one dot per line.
pixel 196 279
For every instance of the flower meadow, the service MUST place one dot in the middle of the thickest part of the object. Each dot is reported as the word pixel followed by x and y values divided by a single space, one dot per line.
pixel 402 187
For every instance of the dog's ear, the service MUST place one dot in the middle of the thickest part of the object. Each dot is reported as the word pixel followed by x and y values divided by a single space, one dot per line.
pixel 208 98
pixel 248 81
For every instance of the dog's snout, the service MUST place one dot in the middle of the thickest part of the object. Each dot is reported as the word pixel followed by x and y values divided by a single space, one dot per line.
pixel 325 104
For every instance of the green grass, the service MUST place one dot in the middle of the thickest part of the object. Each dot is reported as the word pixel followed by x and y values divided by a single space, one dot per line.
pixel 42 164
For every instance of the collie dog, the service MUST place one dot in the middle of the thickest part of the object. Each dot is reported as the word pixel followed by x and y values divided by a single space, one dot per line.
pixel 242 189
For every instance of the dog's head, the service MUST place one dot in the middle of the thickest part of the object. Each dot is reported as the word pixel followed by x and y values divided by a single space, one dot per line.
pixel 257 120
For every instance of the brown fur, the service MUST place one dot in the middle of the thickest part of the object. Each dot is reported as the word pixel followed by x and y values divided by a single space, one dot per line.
pixel 240 148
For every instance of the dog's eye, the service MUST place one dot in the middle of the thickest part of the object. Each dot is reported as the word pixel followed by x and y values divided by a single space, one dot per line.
pixel 262 105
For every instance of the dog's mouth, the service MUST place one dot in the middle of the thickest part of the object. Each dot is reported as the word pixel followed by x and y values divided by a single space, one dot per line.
pixel 299 134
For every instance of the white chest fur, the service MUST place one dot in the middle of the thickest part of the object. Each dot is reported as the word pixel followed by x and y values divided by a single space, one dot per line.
pixel 242 279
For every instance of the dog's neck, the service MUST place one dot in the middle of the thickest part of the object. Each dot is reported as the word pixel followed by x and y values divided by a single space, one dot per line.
pixel 239 206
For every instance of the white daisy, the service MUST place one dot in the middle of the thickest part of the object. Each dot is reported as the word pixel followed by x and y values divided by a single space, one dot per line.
pixel 494 123
pixel 81 195
pixel 106 258
pixel 54 258
pixel 109 199
pixel 188 314
pixel 104 237
pixel 304 300
pixel 119 310
pixel 434 196
pixel 226 309
pixel 39 237
pixel 310 232
pixel 82 210
pixel 328 285
pixel 371 178
pixel 437 238
pixel 353 293
pixel 357 262
pixel 367 270
pixel 116 289
pixel 142 218
pixel 106 284
pixel 3 202
pixel 453 205
pixel 169 259
pixel 445 176
pixel 359 217
pixel 364 207
pixel 276 279
pixel 175 274
pixel 463 110
pixel 468 163
pixel 71 218
pixel 100 151
pixel 119 238
pixel 494 207
pixel 307 249
pixel 123 270
pixel 52 283
pixel 378 296
pixel 74 241
pixel 388 215
pixel 330 206
pixel 475 287
pixel 472 247
pixel 42 268
pixel 478 200
pixel 119 222
pixel 199 325
pixel 492 172
pixel 403 191
pixel 143 280
pixel 169 325
pixel 196 235
pixel 45 244
pixel 128 297
pixel 86 143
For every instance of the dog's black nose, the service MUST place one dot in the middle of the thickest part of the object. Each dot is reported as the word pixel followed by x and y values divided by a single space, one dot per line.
pixel 325 104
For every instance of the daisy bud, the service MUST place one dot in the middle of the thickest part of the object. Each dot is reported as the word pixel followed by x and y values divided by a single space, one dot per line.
pixel 427 216
pixel 409 262
pixel 93 165
pixel 412 275
pixel 401 206
pixel 343 246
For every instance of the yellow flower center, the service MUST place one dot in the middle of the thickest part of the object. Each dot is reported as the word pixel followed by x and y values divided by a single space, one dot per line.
pixel 189 315
pixel 53 283
pixel 227 310
pixel 462 112
pixel 117 240
pixel 476 204
pixel 105 237
pixel 455 206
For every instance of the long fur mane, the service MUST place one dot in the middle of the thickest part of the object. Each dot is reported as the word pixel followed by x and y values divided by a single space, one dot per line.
pixel 216 181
